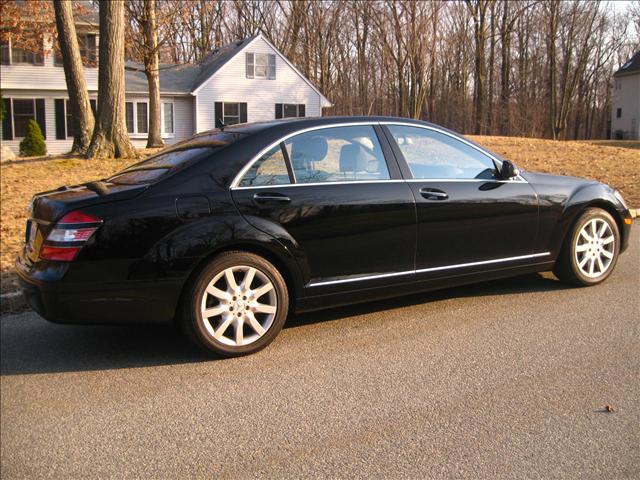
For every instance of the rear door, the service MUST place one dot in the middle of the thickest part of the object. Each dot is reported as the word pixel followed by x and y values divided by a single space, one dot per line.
pixel 332 191
pixel 468 219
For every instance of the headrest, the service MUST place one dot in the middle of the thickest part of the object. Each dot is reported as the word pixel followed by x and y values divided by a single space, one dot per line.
pixel 352 158
pixel 306 149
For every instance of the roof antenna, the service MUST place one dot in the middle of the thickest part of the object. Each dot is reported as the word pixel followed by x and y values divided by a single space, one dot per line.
pixel 221 124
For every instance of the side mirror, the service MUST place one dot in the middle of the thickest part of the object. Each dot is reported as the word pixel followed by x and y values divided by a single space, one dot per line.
pixel 508 170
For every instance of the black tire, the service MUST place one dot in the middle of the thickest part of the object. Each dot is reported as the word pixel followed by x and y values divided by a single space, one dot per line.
pixel 195 325
pixel 567 266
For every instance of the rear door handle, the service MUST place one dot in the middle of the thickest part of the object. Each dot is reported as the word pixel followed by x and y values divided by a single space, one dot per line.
pixel 433 194
pixel 271 197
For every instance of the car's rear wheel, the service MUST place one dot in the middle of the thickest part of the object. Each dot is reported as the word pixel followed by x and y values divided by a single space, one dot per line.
pixel 236 305
pixel 591 250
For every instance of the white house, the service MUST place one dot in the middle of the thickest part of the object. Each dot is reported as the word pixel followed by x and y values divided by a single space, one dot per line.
pixel 625 110
pixel 245 81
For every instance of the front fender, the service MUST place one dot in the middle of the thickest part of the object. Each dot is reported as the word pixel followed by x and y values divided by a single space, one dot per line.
pixel 591 195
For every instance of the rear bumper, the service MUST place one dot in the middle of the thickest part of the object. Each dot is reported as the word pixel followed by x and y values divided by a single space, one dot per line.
pixel 59 301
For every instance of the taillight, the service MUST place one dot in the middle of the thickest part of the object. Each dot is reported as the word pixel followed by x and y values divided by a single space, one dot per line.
pixel 68 236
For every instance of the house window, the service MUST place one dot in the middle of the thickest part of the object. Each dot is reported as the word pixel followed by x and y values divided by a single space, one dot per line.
pixel 167 118
pixel 136 117
pixel 5 52
pixel 142 117
pixel 11 54
pixel 70 122
pixel 88 51
pixel 290 110
pixel 23 111
pixel 261 65
pixel 129 116
pixel 18 113
pixel 231 113
pixel 619 113
pixel 65 121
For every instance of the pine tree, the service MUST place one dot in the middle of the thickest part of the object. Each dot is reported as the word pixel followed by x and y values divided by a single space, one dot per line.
pixel 33 143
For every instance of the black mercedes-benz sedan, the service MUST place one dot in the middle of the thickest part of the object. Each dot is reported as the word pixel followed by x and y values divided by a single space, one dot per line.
pixel 231 230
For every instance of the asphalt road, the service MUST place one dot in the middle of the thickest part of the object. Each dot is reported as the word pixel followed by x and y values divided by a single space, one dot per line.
pixel 499 380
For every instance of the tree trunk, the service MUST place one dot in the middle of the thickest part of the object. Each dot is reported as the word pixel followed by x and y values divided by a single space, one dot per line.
pixel 74 75
pixel 505 71
pixel 151 65
pixel 551 87
pixel 110 136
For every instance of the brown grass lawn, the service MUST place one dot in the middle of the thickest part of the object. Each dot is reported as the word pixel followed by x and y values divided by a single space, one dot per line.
pixel 616 163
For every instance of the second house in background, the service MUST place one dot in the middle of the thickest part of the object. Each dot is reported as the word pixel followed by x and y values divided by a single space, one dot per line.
pixel 244 81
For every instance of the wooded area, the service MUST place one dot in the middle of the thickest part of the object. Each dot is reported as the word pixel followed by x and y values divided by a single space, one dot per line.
pixel 537 68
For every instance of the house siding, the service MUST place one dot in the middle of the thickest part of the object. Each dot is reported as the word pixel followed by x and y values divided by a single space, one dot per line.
pixel 230 84
pixel 626 96
pixel 182 120
pixel 34 77
pixel 193 113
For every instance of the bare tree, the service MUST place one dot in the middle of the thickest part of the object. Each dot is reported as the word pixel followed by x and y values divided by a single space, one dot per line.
pixel 79 104
pixel 110 136
pixel 143 36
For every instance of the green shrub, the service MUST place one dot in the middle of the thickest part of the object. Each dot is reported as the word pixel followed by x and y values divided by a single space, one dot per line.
pixel 33 143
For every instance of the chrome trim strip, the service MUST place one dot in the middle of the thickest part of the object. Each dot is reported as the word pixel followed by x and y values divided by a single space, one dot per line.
pixel 484 262
pixel 424 270
pixel 358 279
pixel 462 180
pixel 351 182
pixel 455 137
pixel 238 177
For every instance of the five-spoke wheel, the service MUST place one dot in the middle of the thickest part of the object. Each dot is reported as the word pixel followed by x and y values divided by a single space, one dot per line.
pixel 591 250
pixel 237 304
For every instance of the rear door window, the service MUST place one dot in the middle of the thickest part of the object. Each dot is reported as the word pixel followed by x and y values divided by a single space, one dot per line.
pixel 337 154
pixel 270 169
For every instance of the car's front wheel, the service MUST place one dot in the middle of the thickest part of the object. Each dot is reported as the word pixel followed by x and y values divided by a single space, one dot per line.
pixel 591 250
pixel 236 305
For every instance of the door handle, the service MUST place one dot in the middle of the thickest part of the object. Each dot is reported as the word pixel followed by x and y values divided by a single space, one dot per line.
pixel 269 197
pixel 433 194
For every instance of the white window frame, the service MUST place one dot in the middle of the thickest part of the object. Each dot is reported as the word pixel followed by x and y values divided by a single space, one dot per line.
pixel 297 105
pixel 252 65
pixel 66 126
pixel 224 115
pixel 13 114
pixel 135 133
pixel 166 134
pixel 32 64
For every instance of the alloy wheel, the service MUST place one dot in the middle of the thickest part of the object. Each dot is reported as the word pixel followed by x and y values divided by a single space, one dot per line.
pixel 595 248
pixel 239 305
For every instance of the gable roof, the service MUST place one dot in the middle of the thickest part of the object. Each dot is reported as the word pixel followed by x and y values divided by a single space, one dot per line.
pixel 177 79
pixel 183 79
pixel 630 67
pixel 187 79
pixel 218 58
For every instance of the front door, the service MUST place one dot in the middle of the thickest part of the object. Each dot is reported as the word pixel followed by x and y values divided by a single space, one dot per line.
pixel 468 219
pixel 332 196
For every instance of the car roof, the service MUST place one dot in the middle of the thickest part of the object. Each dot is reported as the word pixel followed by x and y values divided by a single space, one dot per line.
pixel 292 124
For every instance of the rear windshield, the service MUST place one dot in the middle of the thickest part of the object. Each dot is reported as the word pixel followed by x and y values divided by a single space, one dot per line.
pixel 154 168
pixel 174 158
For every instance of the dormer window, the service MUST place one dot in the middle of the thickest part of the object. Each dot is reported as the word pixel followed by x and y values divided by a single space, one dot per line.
pixel 261 65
